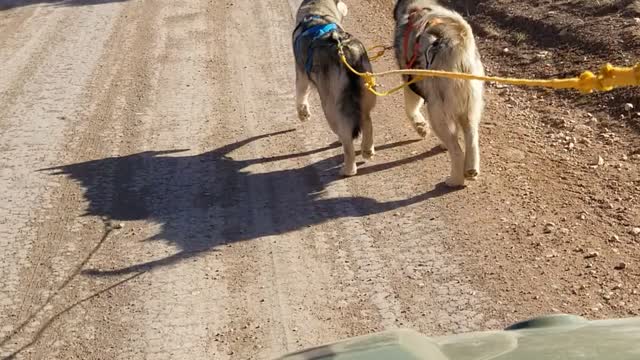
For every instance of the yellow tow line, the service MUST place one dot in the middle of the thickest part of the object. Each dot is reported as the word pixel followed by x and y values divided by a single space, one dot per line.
pixel 608 78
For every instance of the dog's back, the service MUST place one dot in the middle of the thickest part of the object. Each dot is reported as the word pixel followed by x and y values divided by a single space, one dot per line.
pixel 445 43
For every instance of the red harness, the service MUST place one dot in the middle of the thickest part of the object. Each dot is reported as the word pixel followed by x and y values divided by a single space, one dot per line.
pixel 407 34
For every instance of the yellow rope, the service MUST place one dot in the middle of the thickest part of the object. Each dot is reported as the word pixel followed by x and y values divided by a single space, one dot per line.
pixel 380 52
pixel 608 78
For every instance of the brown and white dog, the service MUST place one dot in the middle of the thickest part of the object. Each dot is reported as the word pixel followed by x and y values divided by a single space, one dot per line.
pixel 345 101
pixel 430 36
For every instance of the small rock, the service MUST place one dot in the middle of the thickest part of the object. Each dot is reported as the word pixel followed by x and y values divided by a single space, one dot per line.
pixel 119 226
pixel 583 130
pixel 592 254
pixel 505 50
pixel 606 296
pixel 597 161
pixel 635 231
pixel 614 238
pixel 637 20
pixel 628 107
pixel 549 227
pixel 621 266
pixel 589 266
pixel 617 287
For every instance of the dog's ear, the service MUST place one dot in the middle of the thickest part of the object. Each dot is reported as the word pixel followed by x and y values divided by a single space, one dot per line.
pixel 342 7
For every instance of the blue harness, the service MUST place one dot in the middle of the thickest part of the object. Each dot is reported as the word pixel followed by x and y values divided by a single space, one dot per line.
pixel 314 33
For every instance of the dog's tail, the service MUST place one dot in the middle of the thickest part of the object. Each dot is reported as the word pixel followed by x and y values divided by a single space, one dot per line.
pixel 448 24
pixel 354 93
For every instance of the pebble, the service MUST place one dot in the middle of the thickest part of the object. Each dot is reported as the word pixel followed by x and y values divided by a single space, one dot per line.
pixel 620 266
pixel 549 227
pixel 635 231
pixel 628 107
pixel 582 129
pixel 597 161
pixel 592 254
pixel 617 287
pixel 119 226
pixel 614 238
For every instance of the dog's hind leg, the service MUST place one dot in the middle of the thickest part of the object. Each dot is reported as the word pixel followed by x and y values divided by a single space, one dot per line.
pixel 349 167
pixel 303 90
pixel 447 133
pixel 470 124
pixel 472 148
pixel 345 133
pixel 367 148
pixel 412 104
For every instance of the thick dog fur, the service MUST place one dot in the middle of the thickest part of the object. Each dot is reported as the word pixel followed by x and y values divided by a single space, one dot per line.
pixel 443 40
pixel 345 102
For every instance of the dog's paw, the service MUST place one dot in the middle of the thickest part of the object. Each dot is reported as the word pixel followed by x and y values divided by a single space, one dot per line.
pixel 454 182
pixel 303 112
pixel 368 154
pixel 348 170
pixel 422 128
pixel 471 174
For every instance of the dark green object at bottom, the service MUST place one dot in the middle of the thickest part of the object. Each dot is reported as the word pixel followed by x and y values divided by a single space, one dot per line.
pixel 565 337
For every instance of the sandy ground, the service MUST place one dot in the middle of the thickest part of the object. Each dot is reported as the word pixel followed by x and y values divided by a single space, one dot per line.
pixel 159 198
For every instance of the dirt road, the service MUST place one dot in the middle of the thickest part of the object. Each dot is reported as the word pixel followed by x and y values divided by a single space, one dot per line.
pixel 159 198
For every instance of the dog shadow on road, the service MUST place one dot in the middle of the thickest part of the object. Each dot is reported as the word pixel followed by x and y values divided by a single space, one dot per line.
pixel 207 200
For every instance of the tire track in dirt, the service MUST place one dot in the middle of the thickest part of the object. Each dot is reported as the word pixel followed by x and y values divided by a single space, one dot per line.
pixel 91 133
pixel 262 270
pixel 33 140
pixel 31 34
pixel 166 315
pixel 367 270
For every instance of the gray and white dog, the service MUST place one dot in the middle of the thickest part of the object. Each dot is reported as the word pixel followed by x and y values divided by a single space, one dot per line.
pixel 430 36
pixel 345 101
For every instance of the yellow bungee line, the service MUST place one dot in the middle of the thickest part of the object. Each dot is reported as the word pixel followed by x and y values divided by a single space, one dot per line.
pixel 608 78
